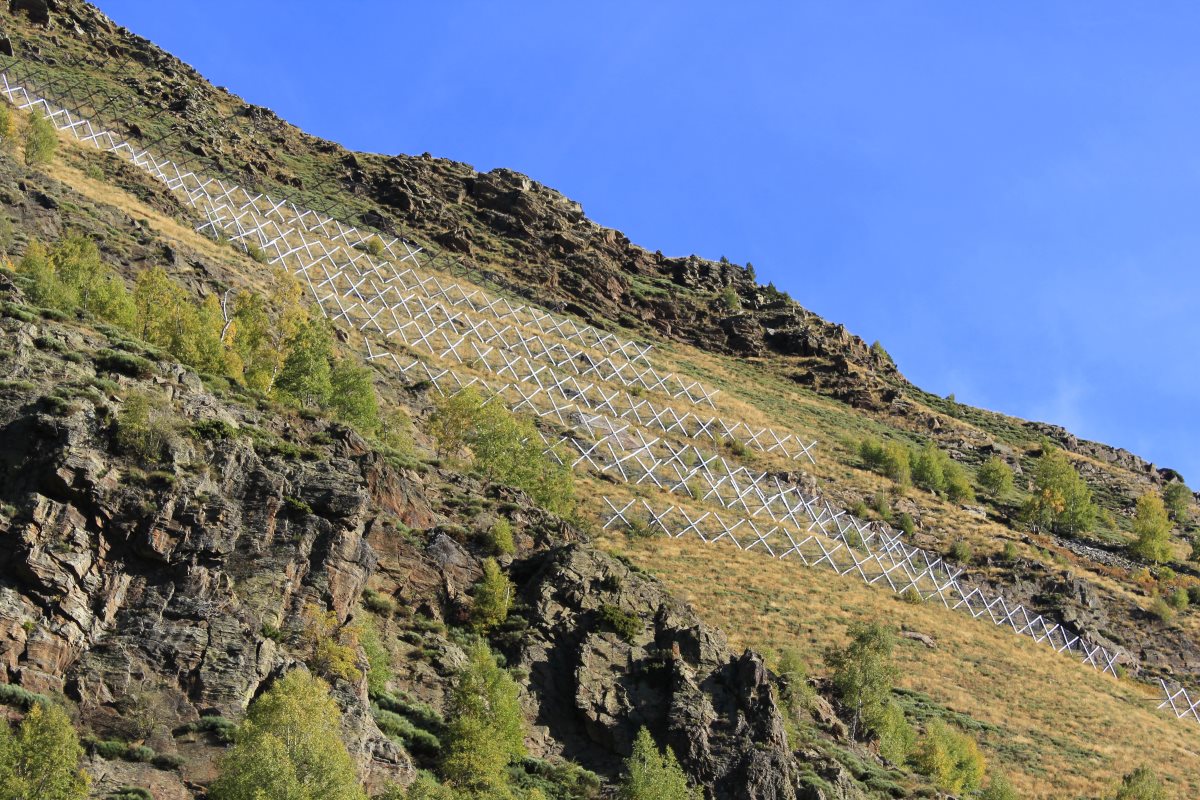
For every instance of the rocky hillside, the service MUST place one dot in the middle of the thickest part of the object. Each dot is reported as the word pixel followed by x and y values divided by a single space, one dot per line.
pixel 157 596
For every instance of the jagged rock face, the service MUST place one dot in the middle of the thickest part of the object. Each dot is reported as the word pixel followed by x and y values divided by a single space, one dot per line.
pixel 145 598
pixel 592 689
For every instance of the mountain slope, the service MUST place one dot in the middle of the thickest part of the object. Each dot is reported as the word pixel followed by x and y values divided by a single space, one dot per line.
pixel 775 364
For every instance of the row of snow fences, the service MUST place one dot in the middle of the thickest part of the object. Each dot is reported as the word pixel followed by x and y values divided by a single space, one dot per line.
pixel 850 547
pixel 348 275
pixel 1179 702
pixel 84 126
pixel 443 318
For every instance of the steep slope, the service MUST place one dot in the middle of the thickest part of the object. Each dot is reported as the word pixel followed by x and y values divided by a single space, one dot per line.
pixel 775 363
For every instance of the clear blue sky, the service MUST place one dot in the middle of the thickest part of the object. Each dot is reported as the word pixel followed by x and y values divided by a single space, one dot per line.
pixel 1007 195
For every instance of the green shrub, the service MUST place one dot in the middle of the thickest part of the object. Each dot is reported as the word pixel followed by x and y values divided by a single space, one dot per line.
pixel 213 430
pixel 1141 784
pixel 7 130
pixel 1152 529
pixel 124 363
pixel 906 523
pixel 12 695
pixel 912 596
pixel 950 758
pixel 1179 600
pixel 219 728
pixel 415 740
pixel 999 788
pixel 996 477
pixel 795 693
pixel 41 141
pixel 379 660
pixel 353 399
pixel 958 483
pixel 1010 552
pixel 1161 610
pixel 378 603
pixel 890 460
pixel 500 537
pixel 627 626
pixel 896 736
pixel 928 468
pixel 131 793
pixel 730 299
pixel 653 774
pixel 139 753
pixel 493 597
pixel 144 430
pixel 556 780
pixel 961 551
pixel 880 505
pixel 505 447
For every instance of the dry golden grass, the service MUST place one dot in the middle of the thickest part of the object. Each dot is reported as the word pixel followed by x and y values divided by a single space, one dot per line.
pixel 1064 730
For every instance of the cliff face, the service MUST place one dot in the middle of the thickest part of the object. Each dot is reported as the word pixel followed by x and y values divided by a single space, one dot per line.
pixel 152 592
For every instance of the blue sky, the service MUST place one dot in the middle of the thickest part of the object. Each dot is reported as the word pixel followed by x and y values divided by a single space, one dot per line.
pixel 1006 195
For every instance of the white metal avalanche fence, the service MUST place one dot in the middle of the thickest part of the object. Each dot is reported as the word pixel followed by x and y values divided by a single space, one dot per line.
pixel 588 380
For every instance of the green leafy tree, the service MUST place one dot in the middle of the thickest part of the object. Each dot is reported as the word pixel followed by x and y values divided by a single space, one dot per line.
pixel 41 760
pixel 951 759
pixel 891 460
pixel 353 396
pixel 332 647
pixel 306 375
pixel 864 674
pixel 928 468
pixel 288 748
pixel 487 731
pixel 1061 500
pixel 794 691
pixel 896 736
pixel 201 344
pixel 501 537
pixel 1152 529
pixel 259 329
pixel 1178 498
pixel 958 483
pixel 653 774
pixel 1141 784
pixel 72 276
pixel 493 597
pixel 452 421
pixel 41 141
pixel 504 446
pixel 996 477
pixel 161 310
pixel 47 288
